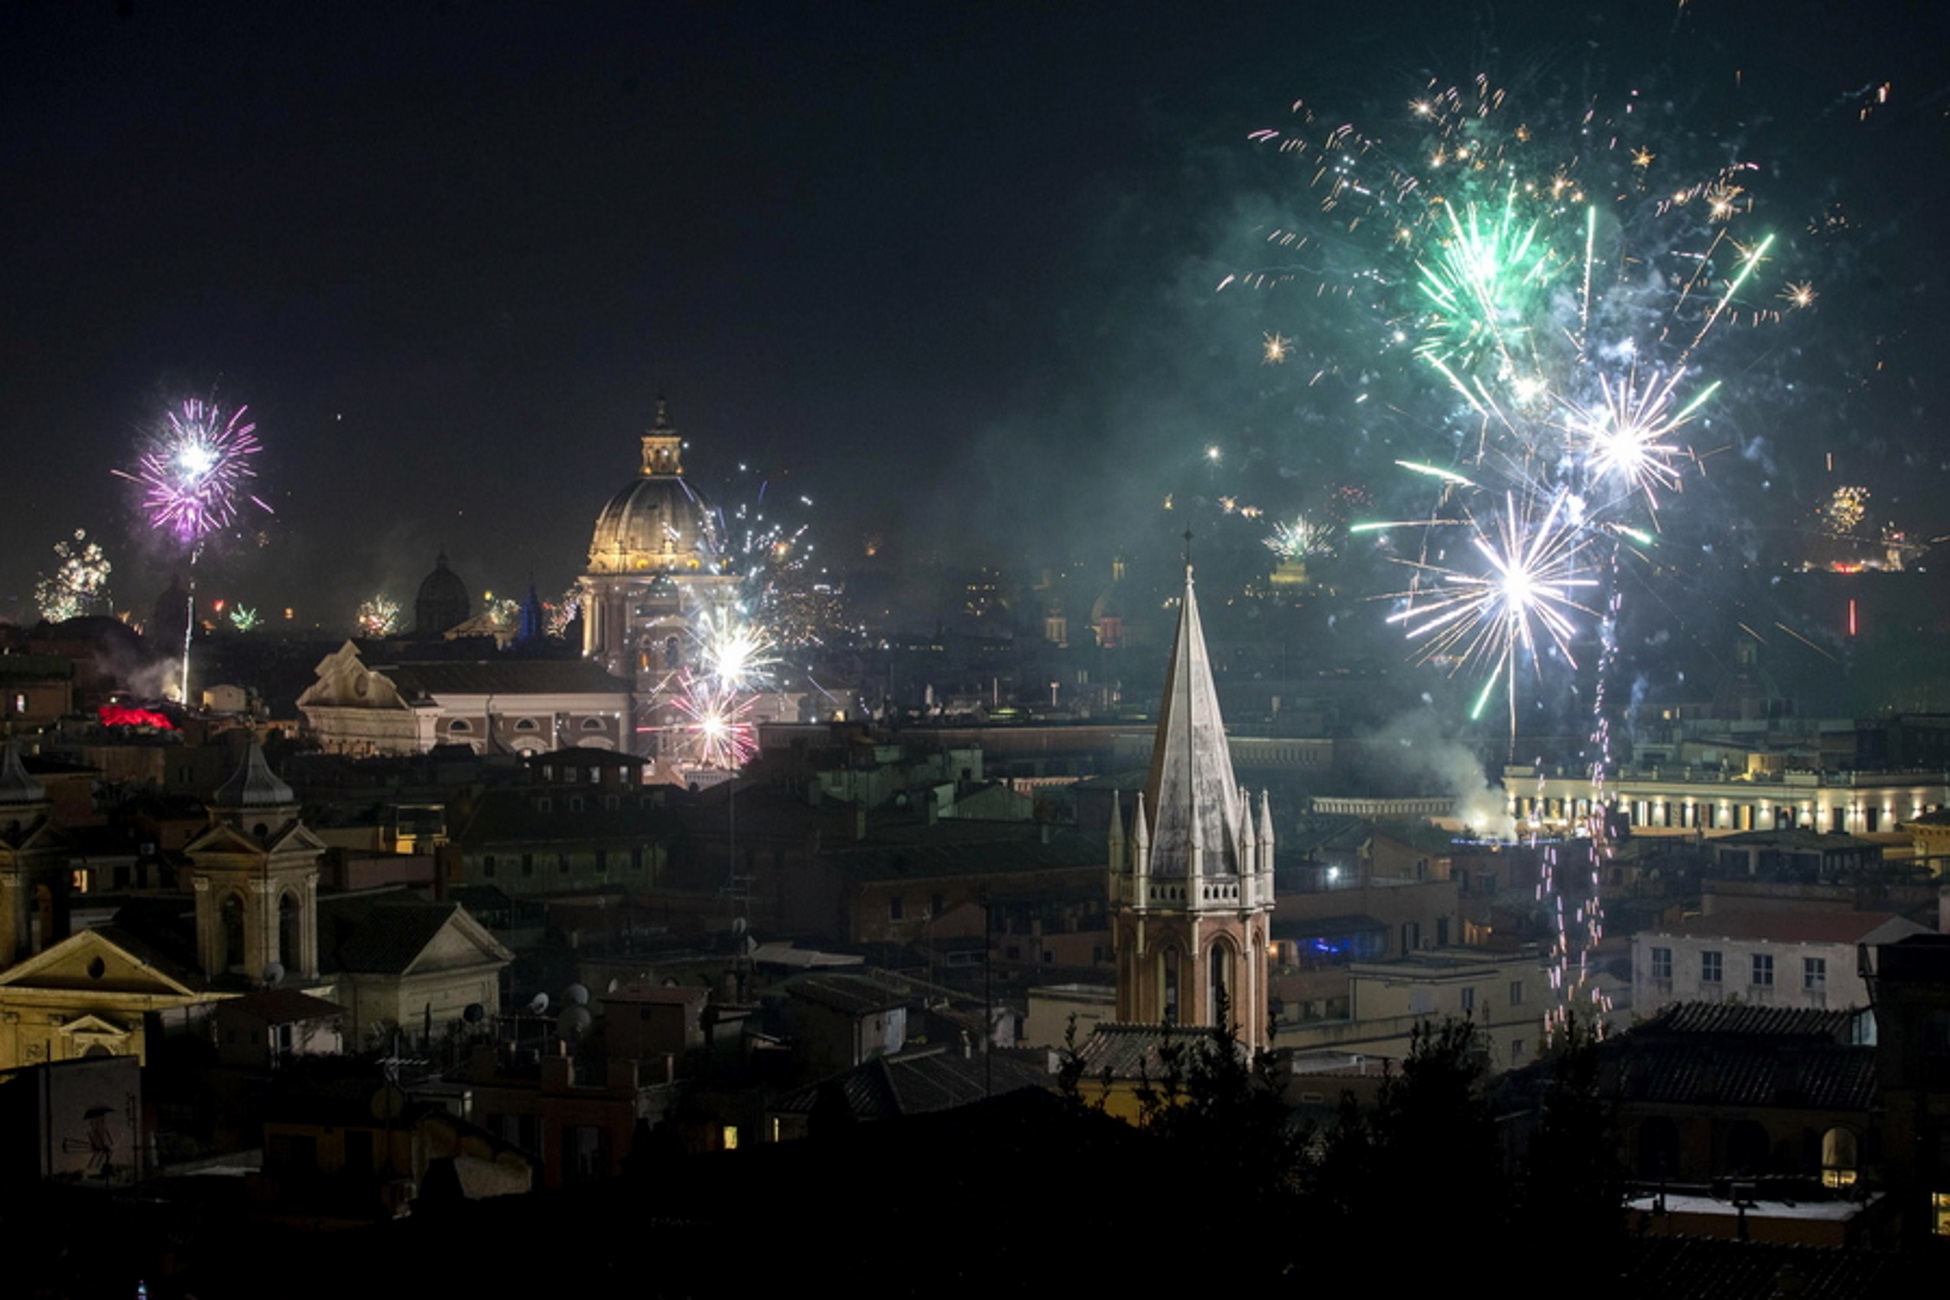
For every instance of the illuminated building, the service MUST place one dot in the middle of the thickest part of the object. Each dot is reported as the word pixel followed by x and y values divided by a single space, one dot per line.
pixel 654 564
pixel 1191 868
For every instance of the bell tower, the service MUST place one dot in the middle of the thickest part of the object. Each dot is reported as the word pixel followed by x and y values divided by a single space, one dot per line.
pixel 1191 866
pixel 255 873
pixel 33 864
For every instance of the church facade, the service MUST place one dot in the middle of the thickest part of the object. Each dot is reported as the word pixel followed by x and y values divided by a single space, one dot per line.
pixel 656 568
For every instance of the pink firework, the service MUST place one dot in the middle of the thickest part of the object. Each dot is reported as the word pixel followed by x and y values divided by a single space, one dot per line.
pixel 195 476
pixel 718 720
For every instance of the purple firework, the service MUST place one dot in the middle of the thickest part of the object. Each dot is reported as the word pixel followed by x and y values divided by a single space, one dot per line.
pixel 195 476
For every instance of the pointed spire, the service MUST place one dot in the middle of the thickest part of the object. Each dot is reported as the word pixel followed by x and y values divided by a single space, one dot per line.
pixel 1117 862
pixel 1196 813
pixel 16 786
pixel 253 785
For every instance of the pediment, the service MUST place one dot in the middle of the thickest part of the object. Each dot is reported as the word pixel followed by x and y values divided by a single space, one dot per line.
pixel 344 681
pixel 223 840
pixel 459 944
pixel 38 836
pixel 91 961
pixel 89 1026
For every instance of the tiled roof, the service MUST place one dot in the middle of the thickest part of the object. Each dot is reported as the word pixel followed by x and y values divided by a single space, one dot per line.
pixel 1745 1018
pixel 1129 1050
pixel 854 995
pixel 1677 1268
pixel 502 677
pixel 917 1083
pixel 1705 1054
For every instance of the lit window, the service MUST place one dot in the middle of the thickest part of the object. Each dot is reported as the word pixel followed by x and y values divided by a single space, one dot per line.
pixel 1940 1214
pixel 1763 970
pixel 1838 1162
pixel 1709 968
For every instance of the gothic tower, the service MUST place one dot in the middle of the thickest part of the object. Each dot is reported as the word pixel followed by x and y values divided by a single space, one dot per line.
pixel 1191 874
pixel 255 873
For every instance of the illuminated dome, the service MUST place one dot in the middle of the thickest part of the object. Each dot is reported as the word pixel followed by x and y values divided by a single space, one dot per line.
pixel 656 523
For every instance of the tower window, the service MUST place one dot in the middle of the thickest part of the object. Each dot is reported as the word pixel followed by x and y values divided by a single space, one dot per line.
pixel 1169 972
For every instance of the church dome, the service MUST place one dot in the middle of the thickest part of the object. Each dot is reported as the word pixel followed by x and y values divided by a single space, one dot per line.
pixel 655 523
pixel 443 601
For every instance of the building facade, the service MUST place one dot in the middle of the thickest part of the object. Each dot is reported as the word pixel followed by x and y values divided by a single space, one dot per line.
pixel 656 569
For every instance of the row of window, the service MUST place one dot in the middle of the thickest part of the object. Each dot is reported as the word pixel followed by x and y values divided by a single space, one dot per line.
pixel 1712 969
pixel 462 725
pixel 601 858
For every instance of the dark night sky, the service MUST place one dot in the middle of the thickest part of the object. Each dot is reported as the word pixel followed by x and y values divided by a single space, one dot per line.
pixel 947 268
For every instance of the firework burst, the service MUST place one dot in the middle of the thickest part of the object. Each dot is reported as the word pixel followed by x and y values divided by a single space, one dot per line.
pixel 378 616
pixel 79 583
pixel 1527 592
pixel 195 476
pixel 717 721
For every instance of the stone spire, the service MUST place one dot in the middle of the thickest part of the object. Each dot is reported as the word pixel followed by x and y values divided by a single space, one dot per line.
pixel 1198 821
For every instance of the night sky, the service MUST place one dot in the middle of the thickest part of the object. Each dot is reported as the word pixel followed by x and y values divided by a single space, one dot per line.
pixel 950 270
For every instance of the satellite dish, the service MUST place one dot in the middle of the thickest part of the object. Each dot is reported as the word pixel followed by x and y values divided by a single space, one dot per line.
pixel 273 972
pixel 573 1024
pixel 737 925
pixel 614 985
pixel 474 1014
pixel 576 995
pixel 538 1005
pixel 750 946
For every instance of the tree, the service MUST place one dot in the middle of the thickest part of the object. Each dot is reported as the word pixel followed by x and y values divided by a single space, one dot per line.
pixel 1424 1159
pixel 1572 1184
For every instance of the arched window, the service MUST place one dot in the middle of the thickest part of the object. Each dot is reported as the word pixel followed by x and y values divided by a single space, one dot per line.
pixel 459 724
pixel 1839 1161
pixel 1747 1148
pixel 1658 1146
pixel 289 944
pixel 232 913
pixel 1218 985
pixel 1168 992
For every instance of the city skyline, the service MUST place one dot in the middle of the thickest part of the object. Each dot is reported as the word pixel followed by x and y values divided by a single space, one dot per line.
pixel 957 281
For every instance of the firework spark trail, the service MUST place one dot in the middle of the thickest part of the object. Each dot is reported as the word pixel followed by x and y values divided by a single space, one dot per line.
pixel 1560 279
pixel 194 480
